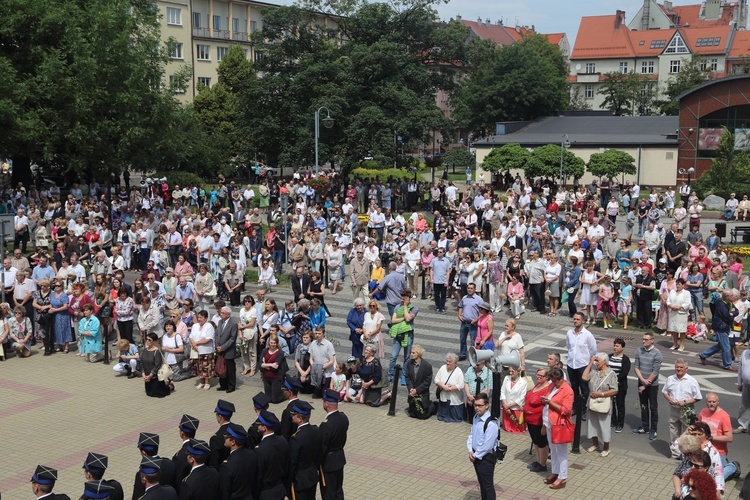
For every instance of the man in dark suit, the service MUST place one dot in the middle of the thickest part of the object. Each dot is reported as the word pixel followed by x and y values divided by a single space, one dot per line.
pixel 93 469
pixel 203 482
pixel 260 402
pixel 188 426
pixel 43 481
pixel 224 411
pixel 150 471
pixel 418 380
pixel 300 283
pixel 148 444
pixel 238 472
pixel 273 459
pixel 305 448
pixel 291 387
pixel 226 346
pixel 333 433
pixel 97 489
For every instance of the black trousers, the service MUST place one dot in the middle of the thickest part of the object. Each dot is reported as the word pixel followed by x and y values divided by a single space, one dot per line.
pixel 440 296
pixel 230 381
pixel 537 296
pixel 234 297
pixel 580 387
pixel 485 470
pixel 644 315
pixel 572 303
pixel 649 398
pixel 126 330
pixel 334 485
pixel 618 410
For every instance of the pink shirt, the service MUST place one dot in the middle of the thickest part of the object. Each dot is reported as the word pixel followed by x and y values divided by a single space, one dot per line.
pixel 516 289
pixel 720 425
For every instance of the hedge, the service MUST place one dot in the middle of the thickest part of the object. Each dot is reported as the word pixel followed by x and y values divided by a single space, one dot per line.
pixel 383 174
pixel 182 179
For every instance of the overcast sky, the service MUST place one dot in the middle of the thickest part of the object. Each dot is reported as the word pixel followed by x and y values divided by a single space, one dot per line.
pixel 547 16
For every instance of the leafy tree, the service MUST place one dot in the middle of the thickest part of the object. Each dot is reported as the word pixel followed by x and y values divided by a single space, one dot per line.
pixel 459 158
pixel 522 81
pixel 545 161
pixel 730 170
pixel 689 76
pixel 508 157
pixel 611 163
pixel 577 101
pixel 617 92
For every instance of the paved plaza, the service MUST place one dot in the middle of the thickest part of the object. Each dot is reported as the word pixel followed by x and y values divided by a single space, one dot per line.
pixel 56 409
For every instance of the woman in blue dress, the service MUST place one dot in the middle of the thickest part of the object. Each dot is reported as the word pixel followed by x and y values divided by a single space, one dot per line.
pixel 90 331
pixel 59 302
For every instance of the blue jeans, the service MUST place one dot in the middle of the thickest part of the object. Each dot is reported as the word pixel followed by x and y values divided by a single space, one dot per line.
pixel 723 346
pixel 467 329
pixel 394 356
pixel 572 302
pixel 728 214
pixel 729 467
pixel 641 224
pixel 278 258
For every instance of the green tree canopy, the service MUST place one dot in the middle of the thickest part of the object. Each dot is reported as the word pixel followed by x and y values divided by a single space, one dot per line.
pixel 508 157
pixel 611 163
pixel 545 161
pixel 459 158
pixel 521 81
pixel 628 93
pixel 689 76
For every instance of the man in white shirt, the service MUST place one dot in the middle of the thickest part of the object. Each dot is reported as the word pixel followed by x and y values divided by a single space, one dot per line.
pixel 681 391
pixel 346 206
pixel 595 230
pixel 581 347
pixel 9 275
pixel 730 206
pixel 248 194
pixel 21 227
pixel 450 193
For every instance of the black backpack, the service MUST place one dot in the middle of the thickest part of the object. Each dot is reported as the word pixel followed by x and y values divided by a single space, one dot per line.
pixel 500 448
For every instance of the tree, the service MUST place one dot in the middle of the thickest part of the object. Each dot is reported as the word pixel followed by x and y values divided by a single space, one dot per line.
pixel 730 170
pixel 459 158
pixel 611 163
pixel 617 92
pixel 508 157
pixel 689 76
pixel 522 81
pixel 544 161
pixel 577 101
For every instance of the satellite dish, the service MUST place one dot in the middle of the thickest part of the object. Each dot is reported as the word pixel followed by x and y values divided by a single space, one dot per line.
pixel 578 67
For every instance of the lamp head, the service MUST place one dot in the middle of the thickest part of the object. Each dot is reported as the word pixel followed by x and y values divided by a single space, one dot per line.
pixel 328 121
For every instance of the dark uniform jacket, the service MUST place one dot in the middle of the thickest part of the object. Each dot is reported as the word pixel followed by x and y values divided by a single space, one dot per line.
pixel 273 464
pixel 287 426
pixel 160 492
pixel 167 477
pixel 305 454
pixel 201 484
pixel 181 465
pixel 117 494
pixel 253 436
pixel 333 433
pixel 238 475
pixel 218 452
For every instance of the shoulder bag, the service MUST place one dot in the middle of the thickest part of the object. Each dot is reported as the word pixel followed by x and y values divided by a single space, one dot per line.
pixel 563 430
pixel 165 371
pixel 439 390
pixel 600 405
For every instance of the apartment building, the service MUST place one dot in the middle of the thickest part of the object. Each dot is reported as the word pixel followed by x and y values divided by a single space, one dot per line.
pixel 200 33
pixel 657 43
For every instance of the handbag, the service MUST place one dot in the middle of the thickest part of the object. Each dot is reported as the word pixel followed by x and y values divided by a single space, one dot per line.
pixel 439 390
pixel 600 405
pixel 563 431
pixel 220 368
pixel 594 289
pixel 165 371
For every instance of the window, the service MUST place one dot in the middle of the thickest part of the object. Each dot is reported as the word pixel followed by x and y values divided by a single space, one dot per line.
pixel 259 56
pixel 204 80
pixel 221 52
pixel 676 46
pixel 196 20
pixel 588 91
pixel 708 42
pixel 703 65
pixel 674 66
pixel 647 67
pixel 174 16
pixel 714 64
pixel 253 26
pixel 217 23
pixel 176 85
pixel 623 67
pixel 590 67
pixel 175 51
pixel 203 52
pixel 658 44
pixel 235 25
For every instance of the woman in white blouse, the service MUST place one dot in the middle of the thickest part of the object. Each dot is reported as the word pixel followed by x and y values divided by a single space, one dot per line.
pixel 511 340
pixel 412 258
pixel 450 381
pixel 512 398
pixel 248 330
pixel 202 342
pixel 678 303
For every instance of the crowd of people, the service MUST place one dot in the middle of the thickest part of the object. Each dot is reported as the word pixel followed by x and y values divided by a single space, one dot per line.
pixel 488 251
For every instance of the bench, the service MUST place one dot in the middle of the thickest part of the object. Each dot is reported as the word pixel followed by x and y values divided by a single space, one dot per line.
pixel 739 231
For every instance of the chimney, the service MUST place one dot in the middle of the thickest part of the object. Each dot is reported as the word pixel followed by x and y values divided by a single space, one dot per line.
pixel 488 22
pixel 499 22
pixel 458 18
pixel 619 19
pixel 667 5
pixel 646 15
pixel 479 21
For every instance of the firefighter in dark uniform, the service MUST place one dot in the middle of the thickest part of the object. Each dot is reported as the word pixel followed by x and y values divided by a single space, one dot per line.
pixel 43 481
pixel 94 467
pixel 238 472
pixel 273 459
pixel 150 470
pixel 224 411
pixel 333 433
pixel 188 426
pixel 305 451
pixel 291 387
pixel 260 402
pixel 98 489
pixel 203 481
pixel 148 443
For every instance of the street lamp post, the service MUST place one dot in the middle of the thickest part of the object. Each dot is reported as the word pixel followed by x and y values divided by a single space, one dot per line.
pixel 327 123
pixel 564 144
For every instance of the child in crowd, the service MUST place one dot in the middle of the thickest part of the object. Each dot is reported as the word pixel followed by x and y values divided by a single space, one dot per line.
pixel 626 294
pixel 338 380
pixel 128 358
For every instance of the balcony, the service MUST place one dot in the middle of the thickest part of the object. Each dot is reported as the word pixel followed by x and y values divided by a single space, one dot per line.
pixel 201 32
pixel 221 34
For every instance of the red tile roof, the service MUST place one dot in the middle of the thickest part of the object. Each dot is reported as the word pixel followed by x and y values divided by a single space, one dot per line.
pixel 740 45
pixel 554 38
pixel 690 15
pixel 648 43
pixel 495 32
pixel 691 36
pixel 598 39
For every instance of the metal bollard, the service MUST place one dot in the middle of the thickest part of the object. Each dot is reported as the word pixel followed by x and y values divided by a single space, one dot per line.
pixel 105 341
pixel 394 390
pixel 576 448
pixel 424 288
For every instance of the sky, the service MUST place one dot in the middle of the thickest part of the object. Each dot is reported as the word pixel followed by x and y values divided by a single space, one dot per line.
pixel 547 16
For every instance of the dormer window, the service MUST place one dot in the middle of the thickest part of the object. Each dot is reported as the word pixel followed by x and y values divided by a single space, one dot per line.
pixel 677 46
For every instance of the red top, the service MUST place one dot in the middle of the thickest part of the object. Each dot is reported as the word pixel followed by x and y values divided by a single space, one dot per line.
pixel 271 358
